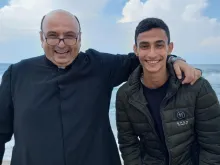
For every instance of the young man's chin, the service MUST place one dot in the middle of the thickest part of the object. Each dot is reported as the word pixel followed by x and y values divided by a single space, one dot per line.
pixel 153 71
pixel 152 68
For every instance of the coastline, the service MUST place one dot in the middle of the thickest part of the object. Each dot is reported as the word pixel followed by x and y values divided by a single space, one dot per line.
pixel 6 163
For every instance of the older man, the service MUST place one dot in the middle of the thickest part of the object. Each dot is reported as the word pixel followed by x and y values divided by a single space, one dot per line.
pixel 57 105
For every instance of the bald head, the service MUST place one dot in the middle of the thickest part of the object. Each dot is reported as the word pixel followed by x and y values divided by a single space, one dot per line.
pixel 61 13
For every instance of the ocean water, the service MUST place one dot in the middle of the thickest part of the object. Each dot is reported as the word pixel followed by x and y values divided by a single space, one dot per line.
pixel 210 72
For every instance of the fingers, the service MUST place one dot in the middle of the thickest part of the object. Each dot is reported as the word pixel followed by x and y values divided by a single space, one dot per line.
pixel 189 76
pixel 197 75
pixel 177 71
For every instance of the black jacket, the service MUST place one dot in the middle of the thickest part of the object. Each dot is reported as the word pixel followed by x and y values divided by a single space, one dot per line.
pixel 191 123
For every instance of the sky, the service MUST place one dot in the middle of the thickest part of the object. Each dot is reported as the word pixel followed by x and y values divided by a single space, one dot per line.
pixel 109 25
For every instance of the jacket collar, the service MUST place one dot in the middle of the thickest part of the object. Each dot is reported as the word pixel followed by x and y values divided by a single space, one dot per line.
pixel 135 89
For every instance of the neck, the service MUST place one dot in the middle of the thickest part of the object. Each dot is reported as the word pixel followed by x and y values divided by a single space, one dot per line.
pixel 155 80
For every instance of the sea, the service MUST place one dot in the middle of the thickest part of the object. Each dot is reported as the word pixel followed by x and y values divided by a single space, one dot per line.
pixel 210 72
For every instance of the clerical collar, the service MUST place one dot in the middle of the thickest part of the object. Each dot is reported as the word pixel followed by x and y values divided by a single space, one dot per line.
pixel 61 67
pixel 51 64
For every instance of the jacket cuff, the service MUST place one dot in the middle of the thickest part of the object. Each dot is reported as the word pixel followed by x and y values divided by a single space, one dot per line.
pixel 199 70
pixel 173 58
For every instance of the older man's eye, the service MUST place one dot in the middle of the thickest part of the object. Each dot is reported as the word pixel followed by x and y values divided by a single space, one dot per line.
pixel 70 36
pixel 52 36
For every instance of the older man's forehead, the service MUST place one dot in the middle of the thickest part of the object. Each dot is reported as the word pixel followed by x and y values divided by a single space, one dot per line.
pixel 60 20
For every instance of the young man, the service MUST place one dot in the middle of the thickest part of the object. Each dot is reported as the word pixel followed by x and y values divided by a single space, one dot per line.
pixel 160 120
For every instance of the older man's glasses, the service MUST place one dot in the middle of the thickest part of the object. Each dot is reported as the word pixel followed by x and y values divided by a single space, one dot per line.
pixel 53 41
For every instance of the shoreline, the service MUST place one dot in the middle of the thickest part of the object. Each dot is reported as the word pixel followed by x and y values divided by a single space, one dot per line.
pixel 6 162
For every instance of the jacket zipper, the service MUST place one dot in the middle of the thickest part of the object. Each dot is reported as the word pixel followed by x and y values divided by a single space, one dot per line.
pixel 168 96
pixel 149 117
pixel 151 123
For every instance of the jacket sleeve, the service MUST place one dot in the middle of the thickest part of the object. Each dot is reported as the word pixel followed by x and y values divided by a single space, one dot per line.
pixel 118 67
pixel 128 141
pixel 6 111
pixel 208 125
pixel 121 66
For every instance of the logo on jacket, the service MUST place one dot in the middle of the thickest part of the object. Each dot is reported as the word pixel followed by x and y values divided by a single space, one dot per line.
pixel 181 116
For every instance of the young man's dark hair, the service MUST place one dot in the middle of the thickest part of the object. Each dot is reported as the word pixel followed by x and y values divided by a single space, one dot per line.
pixel 159 119
pixel 150 23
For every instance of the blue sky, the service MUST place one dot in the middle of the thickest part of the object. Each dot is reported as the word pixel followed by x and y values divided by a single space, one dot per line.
pixel 213 9
pixel 3 3
pixel 195 34
pixel 114 7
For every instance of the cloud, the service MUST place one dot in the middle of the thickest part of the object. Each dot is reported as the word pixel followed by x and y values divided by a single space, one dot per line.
pixel 20 23
pixel 211 41
pixel 191 31
pixel 22 17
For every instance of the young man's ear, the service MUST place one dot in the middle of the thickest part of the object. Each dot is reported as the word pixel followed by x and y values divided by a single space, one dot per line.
pixel 170 48
pixel 135 49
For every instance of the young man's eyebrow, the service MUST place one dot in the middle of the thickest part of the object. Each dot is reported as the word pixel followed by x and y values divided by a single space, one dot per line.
pixel 144 42
pixel 160 41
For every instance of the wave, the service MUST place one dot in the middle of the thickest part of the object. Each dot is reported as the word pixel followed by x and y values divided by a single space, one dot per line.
pixel 213 77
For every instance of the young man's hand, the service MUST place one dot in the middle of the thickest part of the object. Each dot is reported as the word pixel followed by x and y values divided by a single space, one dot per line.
pixel 191 74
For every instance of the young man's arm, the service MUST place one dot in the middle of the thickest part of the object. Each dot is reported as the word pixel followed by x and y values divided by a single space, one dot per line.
pixel 128 141
pixel 207 119
pixel 6 112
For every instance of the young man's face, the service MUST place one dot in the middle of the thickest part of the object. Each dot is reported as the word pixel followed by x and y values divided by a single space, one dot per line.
pixel 152 49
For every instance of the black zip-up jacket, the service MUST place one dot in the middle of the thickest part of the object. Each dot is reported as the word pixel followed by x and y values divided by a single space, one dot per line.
pixel 191 123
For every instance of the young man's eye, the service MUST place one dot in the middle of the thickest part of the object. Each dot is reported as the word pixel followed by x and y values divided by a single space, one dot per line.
pixel 160 46
pixel 144 46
